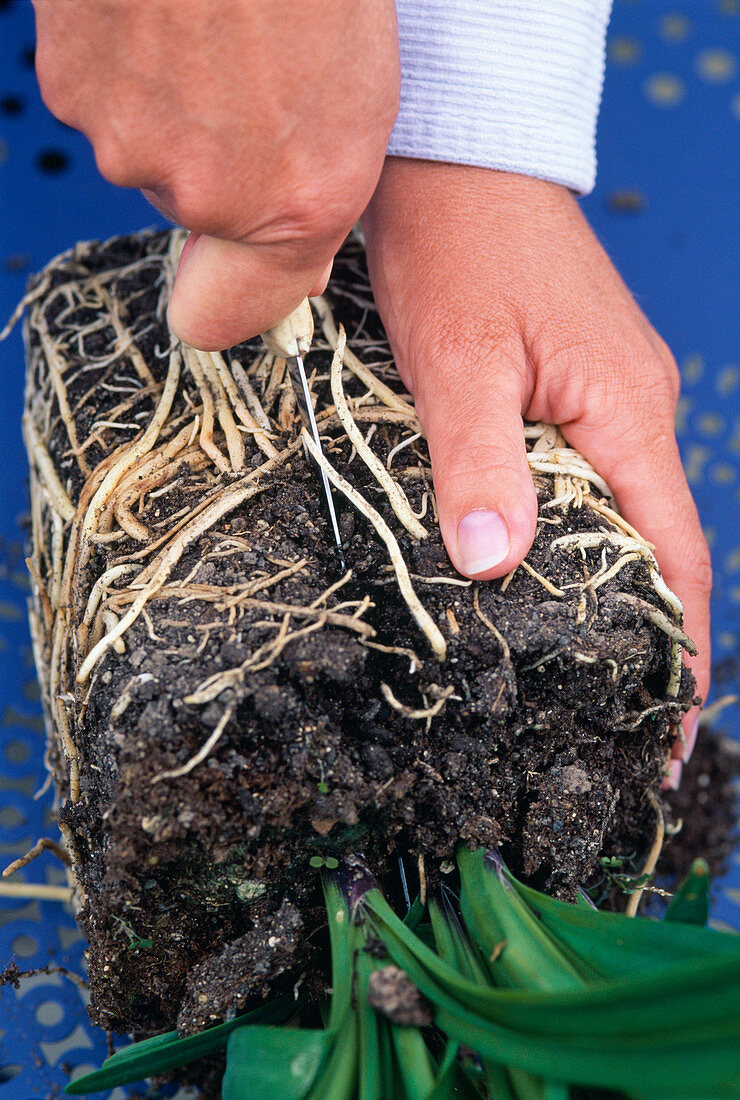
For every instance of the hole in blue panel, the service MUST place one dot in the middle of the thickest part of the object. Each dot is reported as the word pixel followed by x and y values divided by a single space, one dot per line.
pixel 16 265
pixel 24 946
pixel 30 688
pixel 17 752
pixel 49 1013
pixel 11 817
pixel 7 1073
pixel 53 161
pixel 12 105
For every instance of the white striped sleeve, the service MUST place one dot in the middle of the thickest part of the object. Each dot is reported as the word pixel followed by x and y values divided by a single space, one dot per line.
pixel 507 84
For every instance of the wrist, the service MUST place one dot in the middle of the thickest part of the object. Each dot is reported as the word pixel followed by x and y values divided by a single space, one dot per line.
pixel 480 196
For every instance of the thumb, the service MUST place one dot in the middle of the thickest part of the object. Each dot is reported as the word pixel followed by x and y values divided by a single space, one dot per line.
pixel 485 495
pixel 228 291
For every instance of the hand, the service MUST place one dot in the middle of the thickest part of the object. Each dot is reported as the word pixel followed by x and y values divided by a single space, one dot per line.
pixel 500 304
pixel 259 124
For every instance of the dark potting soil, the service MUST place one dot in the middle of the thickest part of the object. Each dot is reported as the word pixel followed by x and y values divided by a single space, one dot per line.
pixel 201 897
pixel 703 811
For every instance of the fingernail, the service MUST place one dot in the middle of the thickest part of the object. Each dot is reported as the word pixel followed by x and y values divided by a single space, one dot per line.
pixel 672 775
pixel 482 541
pixel 187 248
pixel 690 731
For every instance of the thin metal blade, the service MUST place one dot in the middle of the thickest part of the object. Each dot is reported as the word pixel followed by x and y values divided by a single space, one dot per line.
pixel 303 398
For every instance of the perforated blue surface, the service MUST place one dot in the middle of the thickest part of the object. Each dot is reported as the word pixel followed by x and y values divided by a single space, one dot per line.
pixel 669 145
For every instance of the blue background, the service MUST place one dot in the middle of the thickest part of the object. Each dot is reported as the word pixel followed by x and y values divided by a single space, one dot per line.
pixel 669 137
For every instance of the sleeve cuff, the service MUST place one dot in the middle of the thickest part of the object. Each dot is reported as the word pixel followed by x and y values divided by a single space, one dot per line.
pixel 513 85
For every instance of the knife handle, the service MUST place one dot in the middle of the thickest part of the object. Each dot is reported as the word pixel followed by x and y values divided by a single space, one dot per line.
pixel 293 336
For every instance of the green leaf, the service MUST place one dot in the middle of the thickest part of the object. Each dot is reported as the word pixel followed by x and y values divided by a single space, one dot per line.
pixel 706 1069
pixel 392 1085
pixel 528 1086
pixel 162 1053
pixel 447 1074
pixel 616 946
pixel 555 1091
pixel 263 1063
pixel 519 948
pixel 341 938
pixel 414 1062
pixel 453 945
pixel 680 1034
pixel 415 914
pixel 338 1078
pixel 371 1078
pixel 690 903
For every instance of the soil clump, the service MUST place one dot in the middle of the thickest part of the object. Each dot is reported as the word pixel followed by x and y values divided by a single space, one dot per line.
pixel 225 703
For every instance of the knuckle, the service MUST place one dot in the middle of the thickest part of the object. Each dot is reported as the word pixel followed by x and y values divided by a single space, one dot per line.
pixel 602 377
pixel 463 346
pixel 314 218
pixel 114 160
pixel 55 89
pixel 188 205
pixel 632 387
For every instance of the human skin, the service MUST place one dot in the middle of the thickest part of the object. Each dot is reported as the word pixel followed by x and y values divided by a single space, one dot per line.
pixel 498 301
pixel 500 304
pixel 249 123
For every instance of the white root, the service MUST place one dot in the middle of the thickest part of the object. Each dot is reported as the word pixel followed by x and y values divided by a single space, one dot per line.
pixel 505 650
pixel 566 462
pixel 81 613
pixel 152 578
pixel 60 703
pixel 36 891
pixel 75 858
pixel 262 658
pixel 96 593
pixel 220 507
pixel 415 713
pixel 546 584
pixel 256 425
pixel 400 651
pixel 423 619
pixel 202 753
pixel 590 539
pixel 46 471
pixel 611 572
pixel 679 639
pixel 212 687
pixel 651 859
pixel 456 582
pixel 383 393
pixel 254 404
pixel 234 441
pixel 205 438
pixel 614 517
pixel 42 845
pixel 393 490
pixel 399 447
pixel 133 452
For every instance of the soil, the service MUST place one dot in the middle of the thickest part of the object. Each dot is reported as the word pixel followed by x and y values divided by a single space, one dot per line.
pixel 704 809
pixel 199 892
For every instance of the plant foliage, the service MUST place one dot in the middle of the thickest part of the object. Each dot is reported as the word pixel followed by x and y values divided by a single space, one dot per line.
pixel 528 998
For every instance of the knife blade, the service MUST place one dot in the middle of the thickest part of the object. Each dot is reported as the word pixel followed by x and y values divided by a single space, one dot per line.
pixel 291 340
